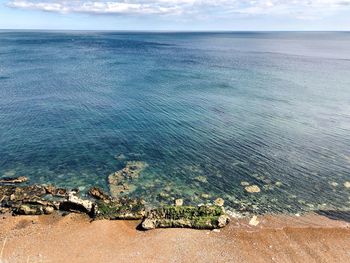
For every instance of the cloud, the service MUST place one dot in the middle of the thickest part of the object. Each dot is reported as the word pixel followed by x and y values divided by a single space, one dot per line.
pixel 294 8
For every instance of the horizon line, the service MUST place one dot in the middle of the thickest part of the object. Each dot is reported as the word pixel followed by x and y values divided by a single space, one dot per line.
pixel 170 31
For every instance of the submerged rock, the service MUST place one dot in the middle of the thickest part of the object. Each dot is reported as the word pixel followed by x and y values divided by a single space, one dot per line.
pixel 205 196
pixel 244 183
pixel 120 157
pixel 347 184
pixel 201 179
pixel 13 180
pixel 252 189
pixel 164 195
pixel 118 181
pixel 203 217
pixel 334 184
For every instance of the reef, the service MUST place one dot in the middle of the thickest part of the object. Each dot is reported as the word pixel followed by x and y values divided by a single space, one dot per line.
pixel 40 200
pixel 120 182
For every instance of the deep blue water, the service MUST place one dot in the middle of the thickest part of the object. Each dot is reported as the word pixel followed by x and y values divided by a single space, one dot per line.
pixel 264 108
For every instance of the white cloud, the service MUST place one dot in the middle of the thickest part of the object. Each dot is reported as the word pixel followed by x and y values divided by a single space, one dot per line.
pixel 293 8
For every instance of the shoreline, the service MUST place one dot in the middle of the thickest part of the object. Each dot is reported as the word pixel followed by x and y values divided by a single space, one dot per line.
pixel 75 238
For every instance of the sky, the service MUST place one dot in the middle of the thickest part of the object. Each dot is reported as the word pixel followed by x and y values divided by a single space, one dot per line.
pixel 175 15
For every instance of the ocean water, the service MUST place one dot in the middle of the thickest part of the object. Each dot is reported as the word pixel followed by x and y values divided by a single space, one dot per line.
pixel 205 111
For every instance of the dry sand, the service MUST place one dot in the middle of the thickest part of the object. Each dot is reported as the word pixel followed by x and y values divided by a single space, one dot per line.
pixel 73 238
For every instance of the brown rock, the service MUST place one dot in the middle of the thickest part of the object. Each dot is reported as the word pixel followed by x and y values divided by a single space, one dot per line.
pixel 14 180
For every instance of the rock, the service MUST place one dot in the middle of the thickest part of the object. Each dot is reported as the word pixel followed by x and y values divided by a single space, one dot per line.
pixel 123 208
pixel 219 202
pixel 164 195
pixel 48 210
pixel 60 192
pixel 29 210
pixel 254 221
pixel 12 194
pixel 13 180
pixel 99 194
pixel 278 184
pixel 148 224
pixel 347 184
pixel 234 214
pixel 179 202
pixel 118 181
pixel 334 184
pixel 120 157
pixel 205 196
pixel 201 179
pixel 203 217
pixel 244 183
pixel 78 205
pixel 223 220
pixel 252 189
pixel 34 208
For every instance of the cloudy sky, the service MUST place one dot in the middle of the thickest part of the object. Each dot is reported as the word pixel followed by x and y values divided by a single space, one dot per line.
pixel 176 14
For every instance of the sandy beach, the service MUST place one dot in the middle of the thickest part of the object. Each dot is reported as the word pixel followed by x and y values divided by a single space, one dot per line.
pixel 75 238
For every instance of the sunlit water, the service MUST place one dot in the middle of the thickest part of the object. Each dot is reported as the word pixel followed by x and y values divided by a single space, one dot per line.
pixel 270 109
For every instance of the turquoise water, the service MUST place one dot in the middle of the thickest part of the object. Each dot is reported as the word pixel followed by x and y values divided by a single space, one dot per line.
pixel 270 109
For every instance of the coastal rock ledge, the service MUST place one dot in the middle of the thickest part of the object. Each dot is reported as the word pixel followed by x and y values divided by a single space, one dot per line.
pixel 201 217
pixel 39 200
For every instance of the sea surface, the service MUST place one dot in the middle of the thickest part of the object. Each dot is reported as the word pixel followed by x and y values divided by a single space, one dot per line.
pixel 208 112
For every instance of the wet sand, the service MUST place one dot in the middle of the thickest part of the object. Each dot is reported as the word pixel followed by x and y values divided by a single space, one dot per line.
pixel 74 238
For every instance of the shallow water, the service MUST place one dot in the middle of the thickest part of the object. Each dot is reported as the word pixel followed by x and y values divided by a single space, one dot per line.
pixel 262 108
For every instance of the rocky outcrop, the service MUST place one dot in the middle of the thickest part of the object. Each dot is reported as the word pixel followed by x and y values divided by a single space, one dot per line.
pixel 13 180
pixel 202 217
pixel 38 200
pixel 73 203
pixel 26 200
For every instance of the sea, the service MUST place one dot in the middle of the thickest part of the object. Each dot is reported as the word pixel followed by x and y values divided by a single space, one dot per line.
pixel 210 113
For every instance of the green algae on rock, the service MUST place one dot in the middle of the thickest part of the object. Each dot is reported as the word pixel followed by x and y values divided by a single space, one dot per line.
pixel 124 208
pixel 201 217
pixel 116 208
